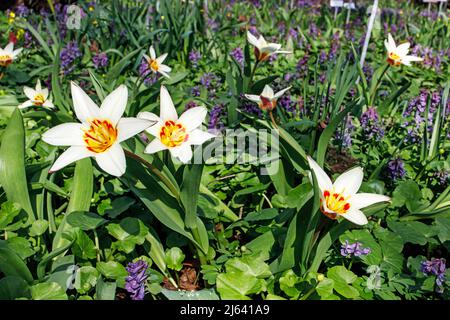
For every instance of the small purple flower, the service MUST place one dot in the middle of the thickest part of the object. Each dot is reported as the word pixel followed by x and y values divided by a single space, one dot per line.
pixel 353 249
pixel 68 55
pixel 191 104
pixel 396 169
pixel 238 55
pixel 100 60
pixel 442 176
pixel 215 118
pixel 195 91
pixel 371 125
pixel 194 57
pixel 437 268
pixel 135 281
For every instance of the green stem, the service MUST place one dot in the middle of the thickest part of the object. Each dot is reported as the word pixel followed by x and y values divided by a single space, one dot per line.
pixel 255 66
pixel 158 173
pixel 372 100
pixel 310 292
pixel 97 246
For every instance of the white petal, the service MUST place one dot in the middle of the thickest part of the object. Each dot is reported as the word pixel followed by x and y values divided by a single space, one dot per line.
pixel 182 152
pixel 29 92
pixel 356 216
pixel 114 105
pixel 45 93
pixel 252 39
pixel 9 47
pixel 129 127
pixel 153 130
pixel 362 200
pixel 155 146
pixel 69 156
pixel 167 109
pixel 26 104
pixel 112 161
pixel 38 86
pixel 193 118
pixel 267 92
pixel 349 182
pixel 165 68
pixel 262 42
pixel 147 58
pixel 161 58
pixel 271 47
pixel 16 52
pixel 48 104
pixel 402 50
pixel 322 178
pixel 152 53
pixel 198 137
pixel 391 43
pixel 85 108
pixel 280 93
pixel 411 59
pixel 164 73
pixel 283 52
pixel 253 97
pixel 66 134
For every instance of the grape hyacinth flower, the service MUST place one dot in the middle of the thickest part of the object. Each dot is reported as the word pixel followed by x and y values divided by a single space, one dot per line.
pixel 68 55
pixel 100 60
pixel 442 176
pixel 194 57
pixel 436 267
pixel 215 118
pixel 238 55
pixel 354 249
pixel 370 124
pixel 396 169
pixel 135 281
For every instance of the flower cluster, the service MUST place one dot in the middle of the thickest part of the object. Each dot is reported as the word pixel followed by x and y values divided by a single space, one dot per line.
pixel 396 169
pixel 353 249
pixel 371 124
pixel 68 55
pixel 194 58
pixel 100 60
pixel 135 281
pixel 436 267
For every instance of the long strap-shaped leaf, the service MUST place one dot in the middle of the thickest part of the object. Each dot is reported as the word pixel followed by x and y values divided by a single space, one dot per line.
pixel 327 134
pixel 80 198
pixel 12 265
pixel 12 164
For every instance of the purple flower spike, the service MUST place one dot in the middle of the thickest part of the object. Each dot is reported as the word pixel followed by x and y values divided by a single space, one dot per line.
pixel 135 282
pixel 437 268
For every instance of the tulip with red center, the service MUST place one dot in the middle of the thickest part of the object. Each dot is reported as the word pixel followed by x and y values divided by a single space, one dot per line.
pixel 38 97
pixel 156 63
pixel 263 49
pixel 100 132
pixel 267 100
pixel 398 55
pixel 340 199
pixel 175 134
pixel 8 54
